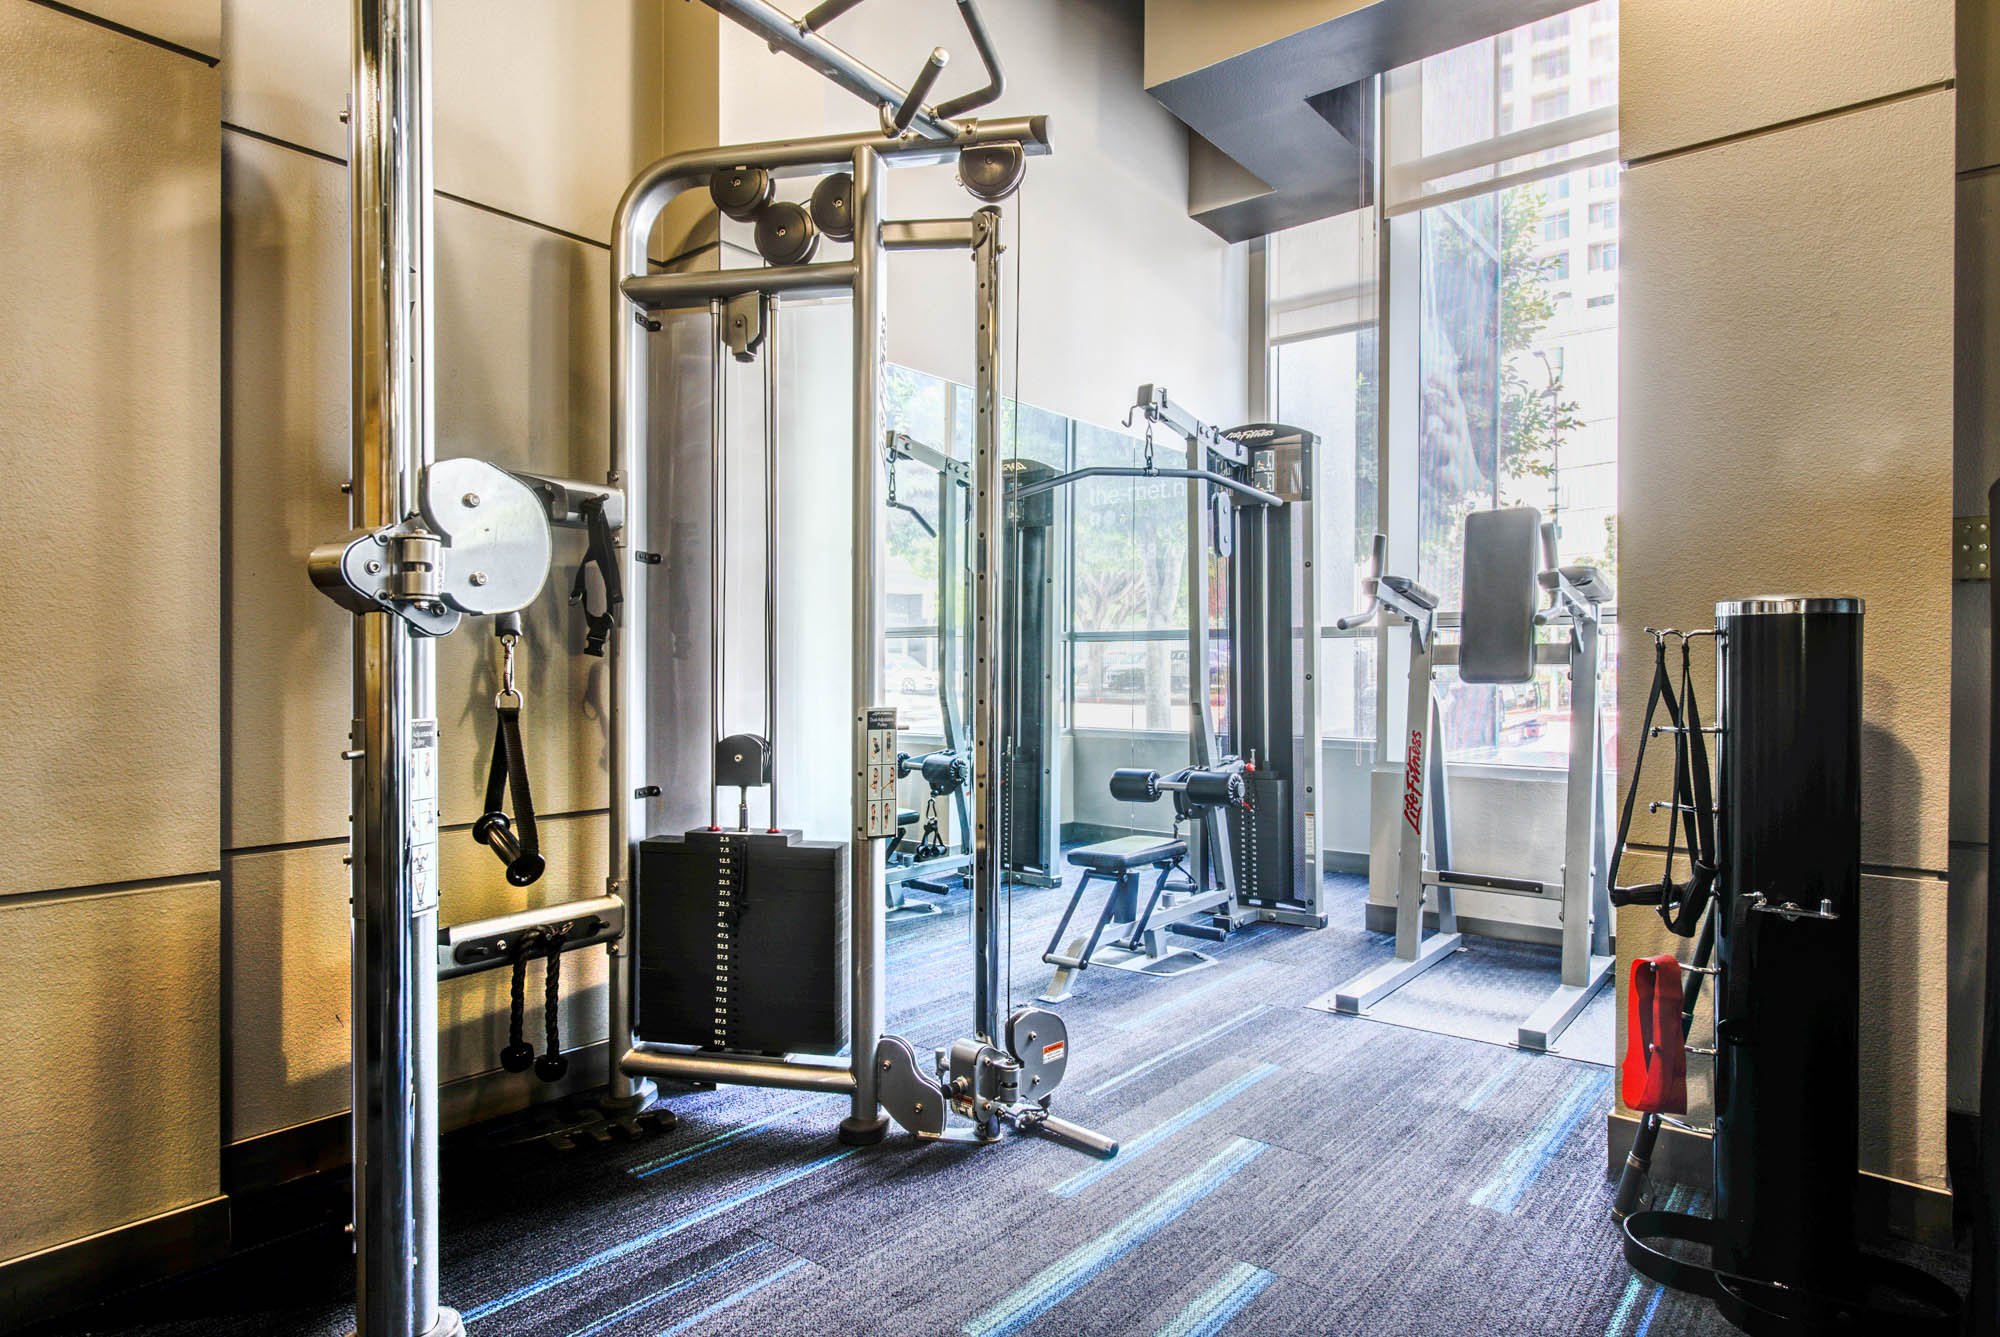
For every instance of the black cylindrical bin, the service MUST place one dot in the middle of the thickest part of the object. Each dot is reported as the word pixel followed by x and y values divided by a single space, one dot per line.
pixel 1788 1009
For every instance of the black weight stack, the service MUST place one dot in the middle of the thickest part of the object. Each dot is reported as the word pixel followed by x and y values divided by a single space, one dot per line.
pixel 1787 1121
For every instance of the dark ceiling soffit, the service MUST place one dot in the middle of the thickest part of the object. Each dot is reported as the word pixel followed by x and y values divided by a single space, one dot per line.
pixel 1288 112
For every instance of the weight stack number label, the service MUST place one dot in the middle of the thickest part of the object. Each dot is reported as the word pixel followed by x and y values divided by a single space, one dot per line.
pixel 730 853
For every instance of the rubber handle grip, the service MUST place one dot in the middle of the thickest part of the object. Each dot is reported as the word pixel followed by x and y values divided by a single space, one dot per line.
pixel 1077 1137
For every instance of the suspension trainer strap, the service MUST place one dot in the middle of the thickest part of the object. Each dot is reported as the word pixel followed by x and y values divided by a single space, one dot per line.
pixel 602 553
pixel 1697 798
pixel 1692 811
pixel 1663 688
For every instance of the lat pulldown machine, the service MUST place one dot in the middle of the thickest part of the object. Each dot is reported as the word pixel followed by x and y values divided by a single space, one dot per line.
pixel 1504 572
pixel 1251 791
pixel 761 955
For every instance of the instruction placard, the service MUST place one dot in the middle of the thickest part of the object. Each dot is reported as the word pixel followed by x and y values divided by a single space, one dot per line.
pixel 423 795
pixel 880 772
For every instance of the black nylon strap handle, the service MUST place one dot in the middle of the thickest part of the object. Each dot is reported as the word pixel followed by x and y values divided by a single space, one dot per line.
pixel 510 771
pixel 601 553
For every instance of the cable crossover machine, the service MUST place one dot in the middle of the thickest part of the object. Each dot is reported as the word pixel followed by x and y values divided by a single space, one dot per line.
pixel 760 955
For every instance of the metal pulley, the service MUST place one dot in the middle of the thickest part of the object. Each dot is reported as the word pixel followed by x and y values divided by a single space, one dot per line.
pixel 478 544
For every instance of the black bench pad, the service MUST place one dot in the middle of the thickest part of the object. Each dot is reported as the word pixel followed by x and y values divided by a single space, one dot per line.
pixel 1127 853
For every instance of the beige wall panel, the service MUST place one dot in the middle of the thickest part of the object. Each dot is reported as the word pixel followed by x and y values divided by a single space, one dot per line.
pixel 543 110
pixel 109 440
pixel 1691 71
pixel 289 646
pixel 289 1017
pixel 110 1101
pixel 1787 415
pixel 521 381
pixel 1183 36
pixel 1905 992
pixel 1978 84
pixel 195 24
pixel 1905 978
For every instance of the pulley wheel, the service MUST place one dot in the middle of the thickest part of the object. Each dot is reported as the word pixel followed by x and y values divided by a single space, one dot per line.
pixel 833 206
pixel 786 234
pixel 992 171
pixel 741 191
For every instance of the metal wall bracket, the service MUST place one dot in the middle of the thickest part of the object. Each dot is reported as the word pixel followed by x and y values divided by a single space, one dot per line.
pixel 1971 547
pixel 478 544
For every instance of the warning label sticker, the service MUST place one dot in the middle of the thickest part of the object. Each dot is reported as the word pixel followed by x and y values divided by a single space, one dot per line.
pixel 1054 1052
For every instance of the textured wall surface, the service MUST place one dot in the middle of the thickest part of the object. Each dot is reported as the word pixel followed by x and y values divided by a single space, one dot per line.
pixel 109 417
pixel 116 1052
pixel 288 989
pixel 543 115
pixel 1787 410
pixel 544 111
pixel 1693 71
pixel 109 439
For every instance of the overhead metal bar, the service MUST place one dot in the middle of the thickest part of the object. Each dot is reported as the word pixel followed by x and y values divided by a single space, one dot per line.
pixel 904 446
pixel 670 292
pixel 927 234
pixel 1256 494
pixel 901 108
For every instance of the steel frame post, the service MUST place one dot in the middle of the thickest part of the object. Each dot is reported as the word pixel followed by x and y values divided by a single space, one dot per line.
pixel 394 877
pixel 865 1122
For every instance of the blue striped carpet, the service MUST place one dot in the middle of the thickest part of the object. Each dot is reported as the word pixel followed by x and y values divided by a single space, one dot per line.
pixel 1284 1171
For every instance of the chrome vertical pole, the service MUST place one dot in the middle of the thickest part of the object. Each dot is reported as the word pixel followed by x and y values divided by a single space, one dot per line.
pixel 988 722
pixel 394 878
pixel 865 1122
pixel 771 516
pixel 718 517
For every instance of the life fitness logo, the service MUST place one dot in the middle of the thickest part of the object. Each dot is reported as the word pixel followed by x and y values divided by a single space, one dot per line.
pixel 1413 783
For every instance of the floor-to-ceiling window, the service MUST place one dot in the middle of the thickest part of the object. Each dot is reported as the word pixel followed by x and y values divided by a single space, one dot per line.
pixel 1493 341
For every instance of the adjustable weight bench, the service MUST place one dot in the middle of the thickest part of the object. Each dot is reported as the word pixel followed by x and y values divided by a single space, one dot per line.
pixel 1119 863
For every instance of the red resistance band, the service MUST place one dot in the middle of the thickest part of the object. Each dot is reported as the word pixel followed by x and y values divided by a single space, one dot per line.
pixel 1655 1071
